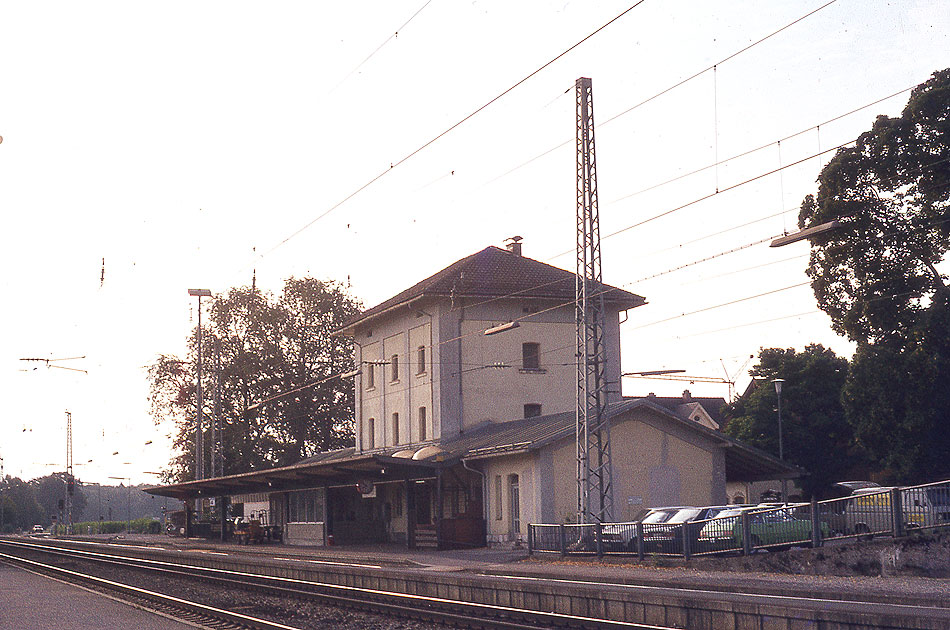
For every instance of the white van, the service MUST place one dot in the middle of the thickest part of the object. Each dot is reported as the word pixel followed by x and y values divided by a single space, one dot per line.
pixel 868 511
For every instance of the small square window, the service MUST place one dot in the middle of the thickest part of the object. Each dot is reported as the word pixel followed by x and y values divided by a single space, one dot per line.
pixel 532 410
pixel 531 356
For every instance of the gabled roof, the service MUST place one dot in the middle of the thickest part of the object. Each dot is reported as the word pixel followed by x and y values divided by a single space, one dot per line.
pixel 495 272
pixel 712 405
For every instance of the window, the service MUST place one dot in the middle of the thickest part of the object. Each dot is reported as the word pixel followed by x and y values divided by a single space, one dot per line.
pixel 395 368
pixel 370 376
pixel 371 433
pixel 514 494
pixel 531 356
pixel 422 424
pixel 421 360
pixel 532 410
pixel 498 497
pixel 395 428
pixel 305 506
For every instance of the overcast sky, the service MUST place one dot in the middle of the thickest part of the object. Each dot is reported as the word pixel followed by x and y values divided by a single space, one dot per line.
pixel 187 143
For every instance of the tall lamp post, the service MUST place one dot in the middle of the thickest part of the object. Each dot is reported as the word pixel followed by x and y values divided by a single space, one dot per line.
pixel 781 451
pixel 199 446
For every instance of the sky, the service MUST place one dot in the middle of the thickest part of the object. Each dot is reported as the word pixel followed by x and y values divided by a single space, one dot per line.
pixel 189 144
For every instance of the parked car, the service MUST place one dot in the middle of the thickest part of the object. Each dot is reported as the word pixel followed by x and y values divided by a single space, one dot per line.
pixel 667 537
pixel 623 536
pixel 38 530
pixel 717 533
pixel 772 528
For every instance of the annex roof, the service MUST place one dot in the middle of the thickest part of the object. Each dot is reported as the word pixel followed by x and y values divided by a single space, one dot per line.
pixel 346 466
pixel 495 272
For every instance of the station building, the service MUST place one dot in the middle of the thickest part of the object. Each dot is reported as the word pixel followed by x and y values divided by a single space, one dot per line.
pixel 463 438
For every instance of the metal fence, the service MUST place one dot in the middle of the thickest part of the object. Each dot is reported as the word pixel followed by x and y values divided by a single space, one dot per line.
pixel 743 529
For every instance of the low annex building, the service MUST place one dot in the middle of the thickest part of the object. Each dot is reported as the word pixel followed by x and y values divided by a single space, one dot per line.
pixel 464 438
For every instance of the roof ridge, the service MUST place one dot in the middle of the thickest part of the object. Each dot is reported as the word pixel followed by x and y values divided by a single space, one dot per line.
pixel 495 272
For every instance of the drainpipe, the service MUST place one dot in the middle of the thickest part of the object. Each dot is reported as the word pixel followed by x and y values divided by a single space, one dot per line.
pixel 459 334
pixel 484 489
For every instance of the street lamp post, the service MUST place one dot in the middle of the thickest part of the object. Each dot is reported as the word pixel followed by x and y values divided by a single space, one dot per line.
pixel 781 451
pixel 199 446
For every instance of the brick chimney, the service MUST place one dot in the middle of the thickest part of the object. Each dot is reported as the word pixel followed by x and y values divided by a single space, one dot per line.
pixel 513 245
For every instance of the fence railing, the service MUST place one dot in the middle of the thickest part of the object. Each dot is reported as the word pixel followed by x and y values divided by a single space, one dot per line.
pixel 875 512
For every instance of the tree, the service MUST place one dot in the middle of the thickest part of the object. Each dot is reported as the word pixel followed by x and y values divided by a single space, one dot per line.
pixel 878 277
pixel 20 509
pixel 281 398
pixel 897 399
pixel 815 433
pixel 877 274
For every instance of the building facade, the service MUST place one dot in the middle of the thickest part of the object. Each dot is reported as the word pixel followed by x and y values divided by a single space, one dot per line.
pixel 465 421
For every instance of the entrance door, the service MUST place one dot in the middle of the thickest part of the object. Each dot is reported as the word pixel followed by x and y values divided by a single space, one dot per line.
pixel 515 505
pixel 423 504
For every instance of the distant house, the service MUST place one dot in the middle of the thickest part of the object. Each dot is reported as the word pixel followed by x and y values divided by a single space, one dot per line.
pixel 464 438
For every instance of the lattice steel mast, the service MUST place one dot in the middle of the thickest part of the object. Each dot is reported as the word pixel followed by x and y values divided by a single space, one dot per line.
pixel 594 476
pixel 70 480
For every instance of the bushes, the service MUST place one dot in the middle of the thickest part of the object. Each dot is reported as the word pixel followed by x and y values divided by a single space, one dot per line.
pixel 139 526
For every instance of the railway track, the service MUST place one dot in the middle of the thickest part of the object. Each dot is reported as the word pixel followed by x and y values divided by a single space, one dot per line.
pixel 440 610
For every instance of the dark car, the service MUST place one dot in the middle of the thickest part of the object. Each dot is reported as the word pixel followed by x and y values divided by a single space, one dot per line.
pixel 667 537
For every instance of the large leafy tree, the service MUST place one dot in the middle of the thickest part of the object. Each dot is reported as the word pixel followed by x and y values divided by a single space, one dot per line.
pixel 878 273
pixel 20 508
pixel 280 399
pixel 879 278
pixel 815 435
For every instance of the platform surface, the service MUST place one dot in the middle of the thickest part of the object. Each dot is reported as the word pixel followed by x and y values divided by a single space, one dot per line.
pixel 33 602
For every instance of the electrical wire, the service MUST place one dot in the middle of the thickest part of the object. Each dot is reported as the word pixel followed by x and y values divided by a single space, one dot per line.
pixel 670 88
pixel 724 304
pixel 746 325
pixel 706 197
pixel 378 48
pixel 447 131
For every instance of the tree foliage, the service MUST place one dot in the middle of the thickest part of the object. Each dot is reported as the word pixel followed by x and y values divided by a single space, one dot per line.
pixel 877 273
pixel 879 279
pixel 897 399
pixel 20 508
pixel 280 400
pixel 815 435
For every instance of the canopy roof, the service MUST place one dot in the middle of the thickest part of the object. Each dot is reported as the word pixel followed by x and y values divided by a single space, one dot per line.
pixel 346 466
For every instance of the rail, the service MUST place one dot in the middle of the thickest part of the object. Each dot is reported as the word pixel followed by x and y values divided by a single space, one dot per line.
pixel 456 613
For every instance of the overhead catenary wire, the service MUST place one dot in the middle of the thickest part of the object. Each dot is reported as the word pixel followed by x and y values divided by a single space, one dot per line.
pixel 706 197
pixel 670 88
pixel 379 48
pixel 762 147
pixel 448 130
